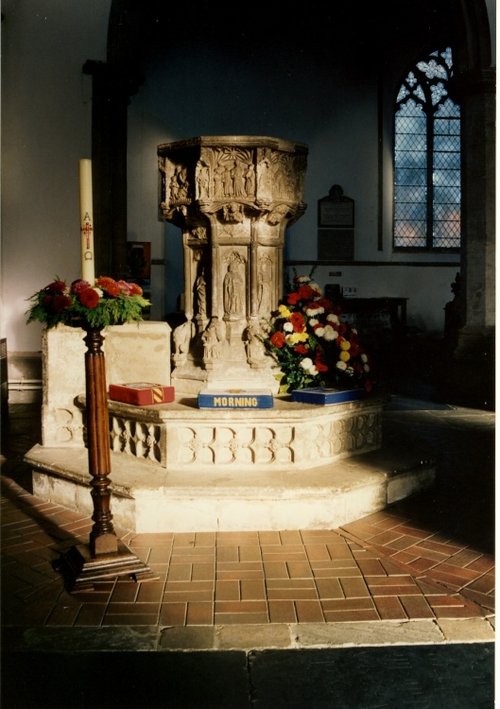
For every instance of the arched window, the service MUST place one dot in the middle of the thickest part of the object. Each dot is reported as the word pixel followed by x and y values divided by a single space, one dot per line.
pixel 427 158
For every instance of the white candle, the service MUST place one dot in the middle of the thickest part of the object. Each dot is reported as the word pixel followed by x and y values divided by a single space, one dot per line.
pixel 87 221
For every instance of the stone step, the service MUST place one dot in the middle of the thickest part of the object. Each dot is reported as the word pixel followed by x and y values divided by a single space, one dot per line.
pixel 148 498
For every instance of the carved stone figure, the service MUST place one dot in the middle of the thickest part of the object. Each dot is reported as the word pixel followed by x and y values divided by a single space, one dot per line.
pixel 182 338
pixel 234 292
pixel 213 339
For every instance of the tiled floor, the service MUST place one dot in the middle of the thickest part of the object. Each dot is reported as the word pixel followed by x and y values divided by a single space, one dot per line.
pixel 412 562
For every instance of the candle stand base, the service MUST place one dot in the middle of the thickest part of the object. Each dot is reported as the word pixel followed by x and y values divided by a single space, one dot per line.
pixel 81 570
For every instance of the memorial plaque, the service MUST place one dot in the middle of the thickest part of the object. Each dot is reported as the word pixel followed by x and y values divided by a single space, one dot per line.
pixel 336 210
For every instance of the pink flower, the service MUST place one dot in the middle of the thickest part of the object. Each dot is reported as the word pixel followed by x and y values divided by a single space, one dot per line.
pixel 79 285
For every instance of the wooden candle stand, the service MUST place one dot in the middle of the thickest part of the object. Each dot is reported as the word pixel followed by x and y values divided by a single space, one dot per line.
pixel 105 556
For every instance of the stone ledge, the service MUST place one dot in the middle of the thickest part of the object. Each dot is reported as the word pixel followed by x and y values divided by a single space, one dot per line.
pixel 148 498
pixel 247 638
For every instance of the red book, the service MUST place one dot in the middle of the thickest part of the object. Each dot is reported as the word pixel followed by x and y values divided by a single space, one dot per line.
pixel 141 393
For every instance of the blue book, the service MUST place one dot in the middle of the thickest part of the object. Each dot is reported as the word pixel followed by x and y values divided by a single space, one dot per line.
pixel 325 396
pixel 235 399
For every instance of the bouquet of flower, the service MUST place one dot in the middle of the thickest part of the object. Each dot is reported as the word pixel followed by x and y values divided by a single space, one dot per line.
pixel 311 343
pixel 106 302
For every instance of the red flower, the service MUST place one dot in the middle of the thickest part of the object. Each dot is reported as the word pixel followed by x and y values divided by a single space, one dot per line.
pixel 301 349
pixel 278 339
pixel 297 320
pixel 56 287
pixel 292 298
pixel 109 285
pixel 319 363
pixel 89 298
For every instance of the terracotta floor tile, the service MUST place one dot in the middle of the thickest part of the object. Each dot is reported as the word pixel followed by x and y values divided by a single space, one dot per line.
pixel 184 539
pixel 329 588
pixel 371 567
pixel 132 609
pixel 457 612
pixel 156 555
pixel 237 538
pixel 299 569
pixel 309 611
pixel 273 584
pixel 191 593
pixel 125 592
pixel 415 606
pixel 227 590
pixel 282 612
pixel 240 571
pixel 483 564
pixel 276 570
pixel 199 613
pixel 291 593
pixel 252 590
pixel 150 592
pixel 91 614
pixel 233 607
pixel 350 616
pixel 443 548
pixel 179 572
pixel 483 584
pixel 203 572
pixel 464 558
pixel 354 588
pixel 63 615
pixel 283 553
pixel 422 564
pixel 317 552
pixel 332 570
pixel 173 613
pixel 266 538
pixel 250 553
pixel 240 618
pixel 227 554
pixel 205 539
pixel 390 608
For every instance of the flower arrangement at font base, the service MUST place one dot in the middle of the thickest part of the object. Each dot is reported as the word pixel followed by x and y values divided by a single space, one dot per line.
pixel 312 345
pixel 82 304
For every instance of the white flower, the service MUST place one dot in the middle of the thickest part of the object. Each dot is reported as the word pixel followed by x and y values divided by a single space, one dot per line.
pixel 366 368
pixel 314 310
pixel 313 322
pixel 331 317
pixel 315 286
pixel 330 333
pixel 341 365
pixel 364 358
pixel 288 327
pixel 308 365
pixel 319 331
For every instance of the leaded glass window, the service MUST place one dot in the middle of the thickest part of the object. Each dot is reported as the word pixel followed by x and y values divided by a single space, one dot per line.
pixel 427 157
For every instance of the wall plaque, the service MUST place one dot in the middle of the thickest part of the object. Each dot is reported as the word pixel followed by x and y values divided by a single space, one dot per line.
pixel 336 210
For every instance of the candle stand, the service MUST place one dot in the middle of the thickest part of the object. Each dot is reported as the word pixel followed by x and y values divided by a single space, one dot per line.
pixel 105 556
